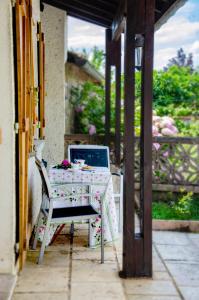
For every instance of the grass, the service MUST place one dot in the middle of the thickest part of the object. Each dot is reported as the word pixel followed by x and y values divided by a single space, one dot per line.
pixel 186 208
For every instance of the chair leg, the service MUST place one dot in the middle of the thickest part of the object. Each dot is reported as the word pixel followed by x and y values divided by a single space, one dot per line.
pixel 89 232
pixel 34 246
pixel 57 232
pixel 43 245
pixel 121 205
pixel 72 228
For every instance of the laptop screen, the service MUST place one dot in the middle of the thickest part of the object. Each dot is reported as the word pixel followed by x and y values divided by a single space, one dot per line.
pixel 92 157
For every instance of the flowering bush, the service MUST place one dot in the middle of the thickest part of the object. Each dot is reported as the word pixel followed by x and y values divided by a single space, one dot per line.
pixel 164 126
pixel 88 101
pixel 91 129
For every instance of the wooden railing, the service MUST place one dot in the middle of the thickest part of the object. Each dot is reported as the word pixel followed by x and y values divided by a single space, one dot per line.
pixel 175 160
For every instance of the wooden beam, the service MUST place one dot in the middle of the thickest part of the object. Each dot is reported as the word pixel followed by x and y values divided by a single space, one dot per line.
pixel 119 21
pixel 81 12
pixel 93 20
pixel 89 6
pixel 101 5
pixel 81 8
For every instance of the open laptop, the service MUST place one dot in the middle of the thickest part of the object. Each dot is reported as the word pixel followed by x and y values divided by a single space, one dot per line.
pixel 94 155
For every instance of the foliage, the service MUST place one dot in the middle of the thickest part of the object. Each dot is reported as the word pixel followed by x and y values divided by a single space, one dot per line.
pixel 95 56
pixel 181 60
pixel 89 103
pixel 188 129
pixel 186 208
pixel 97 59
pixel 176 86
pixel 175 94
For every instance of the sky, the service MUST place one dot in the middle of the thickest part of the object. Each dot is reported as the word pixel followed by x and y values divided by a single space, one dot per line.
pixel 180 31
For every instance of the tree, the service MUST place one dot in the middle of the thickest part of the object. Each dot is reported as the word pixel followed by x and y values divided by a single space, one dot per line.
pixel 181 60
pixel 97 59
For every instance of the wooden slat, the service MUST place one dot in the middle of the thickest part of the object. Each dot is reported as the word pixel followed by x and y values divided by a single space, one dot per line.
pixel 24 79
pixel 41 80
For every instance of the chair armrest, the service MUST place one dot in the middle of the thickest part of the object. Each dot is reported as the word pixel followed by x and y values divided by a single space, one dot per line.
pixel 115 174
pixel 120 173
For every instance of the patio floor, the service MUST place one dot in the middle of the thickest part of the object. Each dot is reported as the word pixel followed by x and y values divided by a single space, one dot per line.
pixel 72 271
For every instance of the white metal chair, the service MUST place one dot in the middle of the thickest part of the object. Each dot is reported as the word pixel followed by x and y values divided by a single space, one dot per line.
pixel 99 157
pixel 64 214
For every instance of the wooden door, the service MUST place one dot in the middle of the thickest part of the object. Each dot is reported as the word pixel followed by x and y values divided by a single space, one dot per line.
pixel 25 108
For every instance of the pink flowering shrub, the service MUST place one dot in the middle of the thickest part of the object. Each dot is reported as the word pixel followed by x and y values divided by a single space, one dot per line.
pixel 91 129
pixel 164 126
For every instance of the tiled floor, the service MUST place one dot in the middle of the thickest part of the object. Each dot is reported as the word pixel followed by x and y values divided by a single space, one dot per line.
pixel 7 284
pixel 71 271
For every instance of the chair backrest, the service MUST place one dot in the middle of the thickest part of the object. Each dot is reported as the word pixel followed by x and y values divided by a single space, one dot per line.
pixel 44 177
pixel 94 155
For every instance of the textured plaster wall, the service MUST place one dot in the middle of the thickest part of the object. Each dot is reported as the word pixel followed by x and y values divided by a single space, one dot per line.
pixel 7 148
pixel 54 26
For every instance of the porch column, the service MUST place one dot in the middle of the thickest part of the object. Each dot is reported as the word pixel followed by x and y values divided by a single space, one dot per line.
pixel 117 62
pixel 113 58
pixel 108 87
pixel 137 248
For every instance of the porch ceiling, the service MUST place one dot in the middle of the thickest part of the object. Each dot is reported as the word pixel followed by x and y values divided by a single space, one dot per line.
pixel 102 12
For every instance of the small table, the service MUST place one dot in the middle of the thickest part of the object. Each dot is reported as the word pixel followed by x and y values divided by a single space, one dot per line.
pixel 66 178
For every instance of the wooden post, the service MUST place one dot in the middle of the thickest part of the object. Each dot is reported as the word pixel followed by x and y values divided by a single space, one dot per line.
pixel 113 58
pixel 129 98
pixel 118 101
pixel 146 139
pixel 137 248
pixel 108 87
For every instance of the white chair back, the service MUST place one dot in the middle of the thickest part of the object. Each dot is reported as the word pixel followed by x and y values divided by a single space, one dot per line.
pixel 44 177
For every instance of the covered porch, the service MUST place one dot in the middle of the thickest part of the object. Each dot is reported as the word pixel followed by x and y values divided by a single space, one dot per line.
pixel 137 21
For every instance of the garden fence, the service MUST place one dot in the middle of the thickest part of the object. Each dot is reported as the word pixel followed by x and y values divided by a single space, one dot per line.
pixel 175 160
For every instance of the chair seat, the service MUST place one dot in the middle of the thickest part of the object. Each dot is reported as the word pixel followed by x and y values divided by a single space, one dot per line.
pixel 76 211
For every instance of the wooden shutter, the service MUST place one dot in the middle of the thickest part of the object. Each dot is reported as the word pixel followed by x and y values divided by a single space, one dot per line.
pixel 41 80
pixel 25 96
